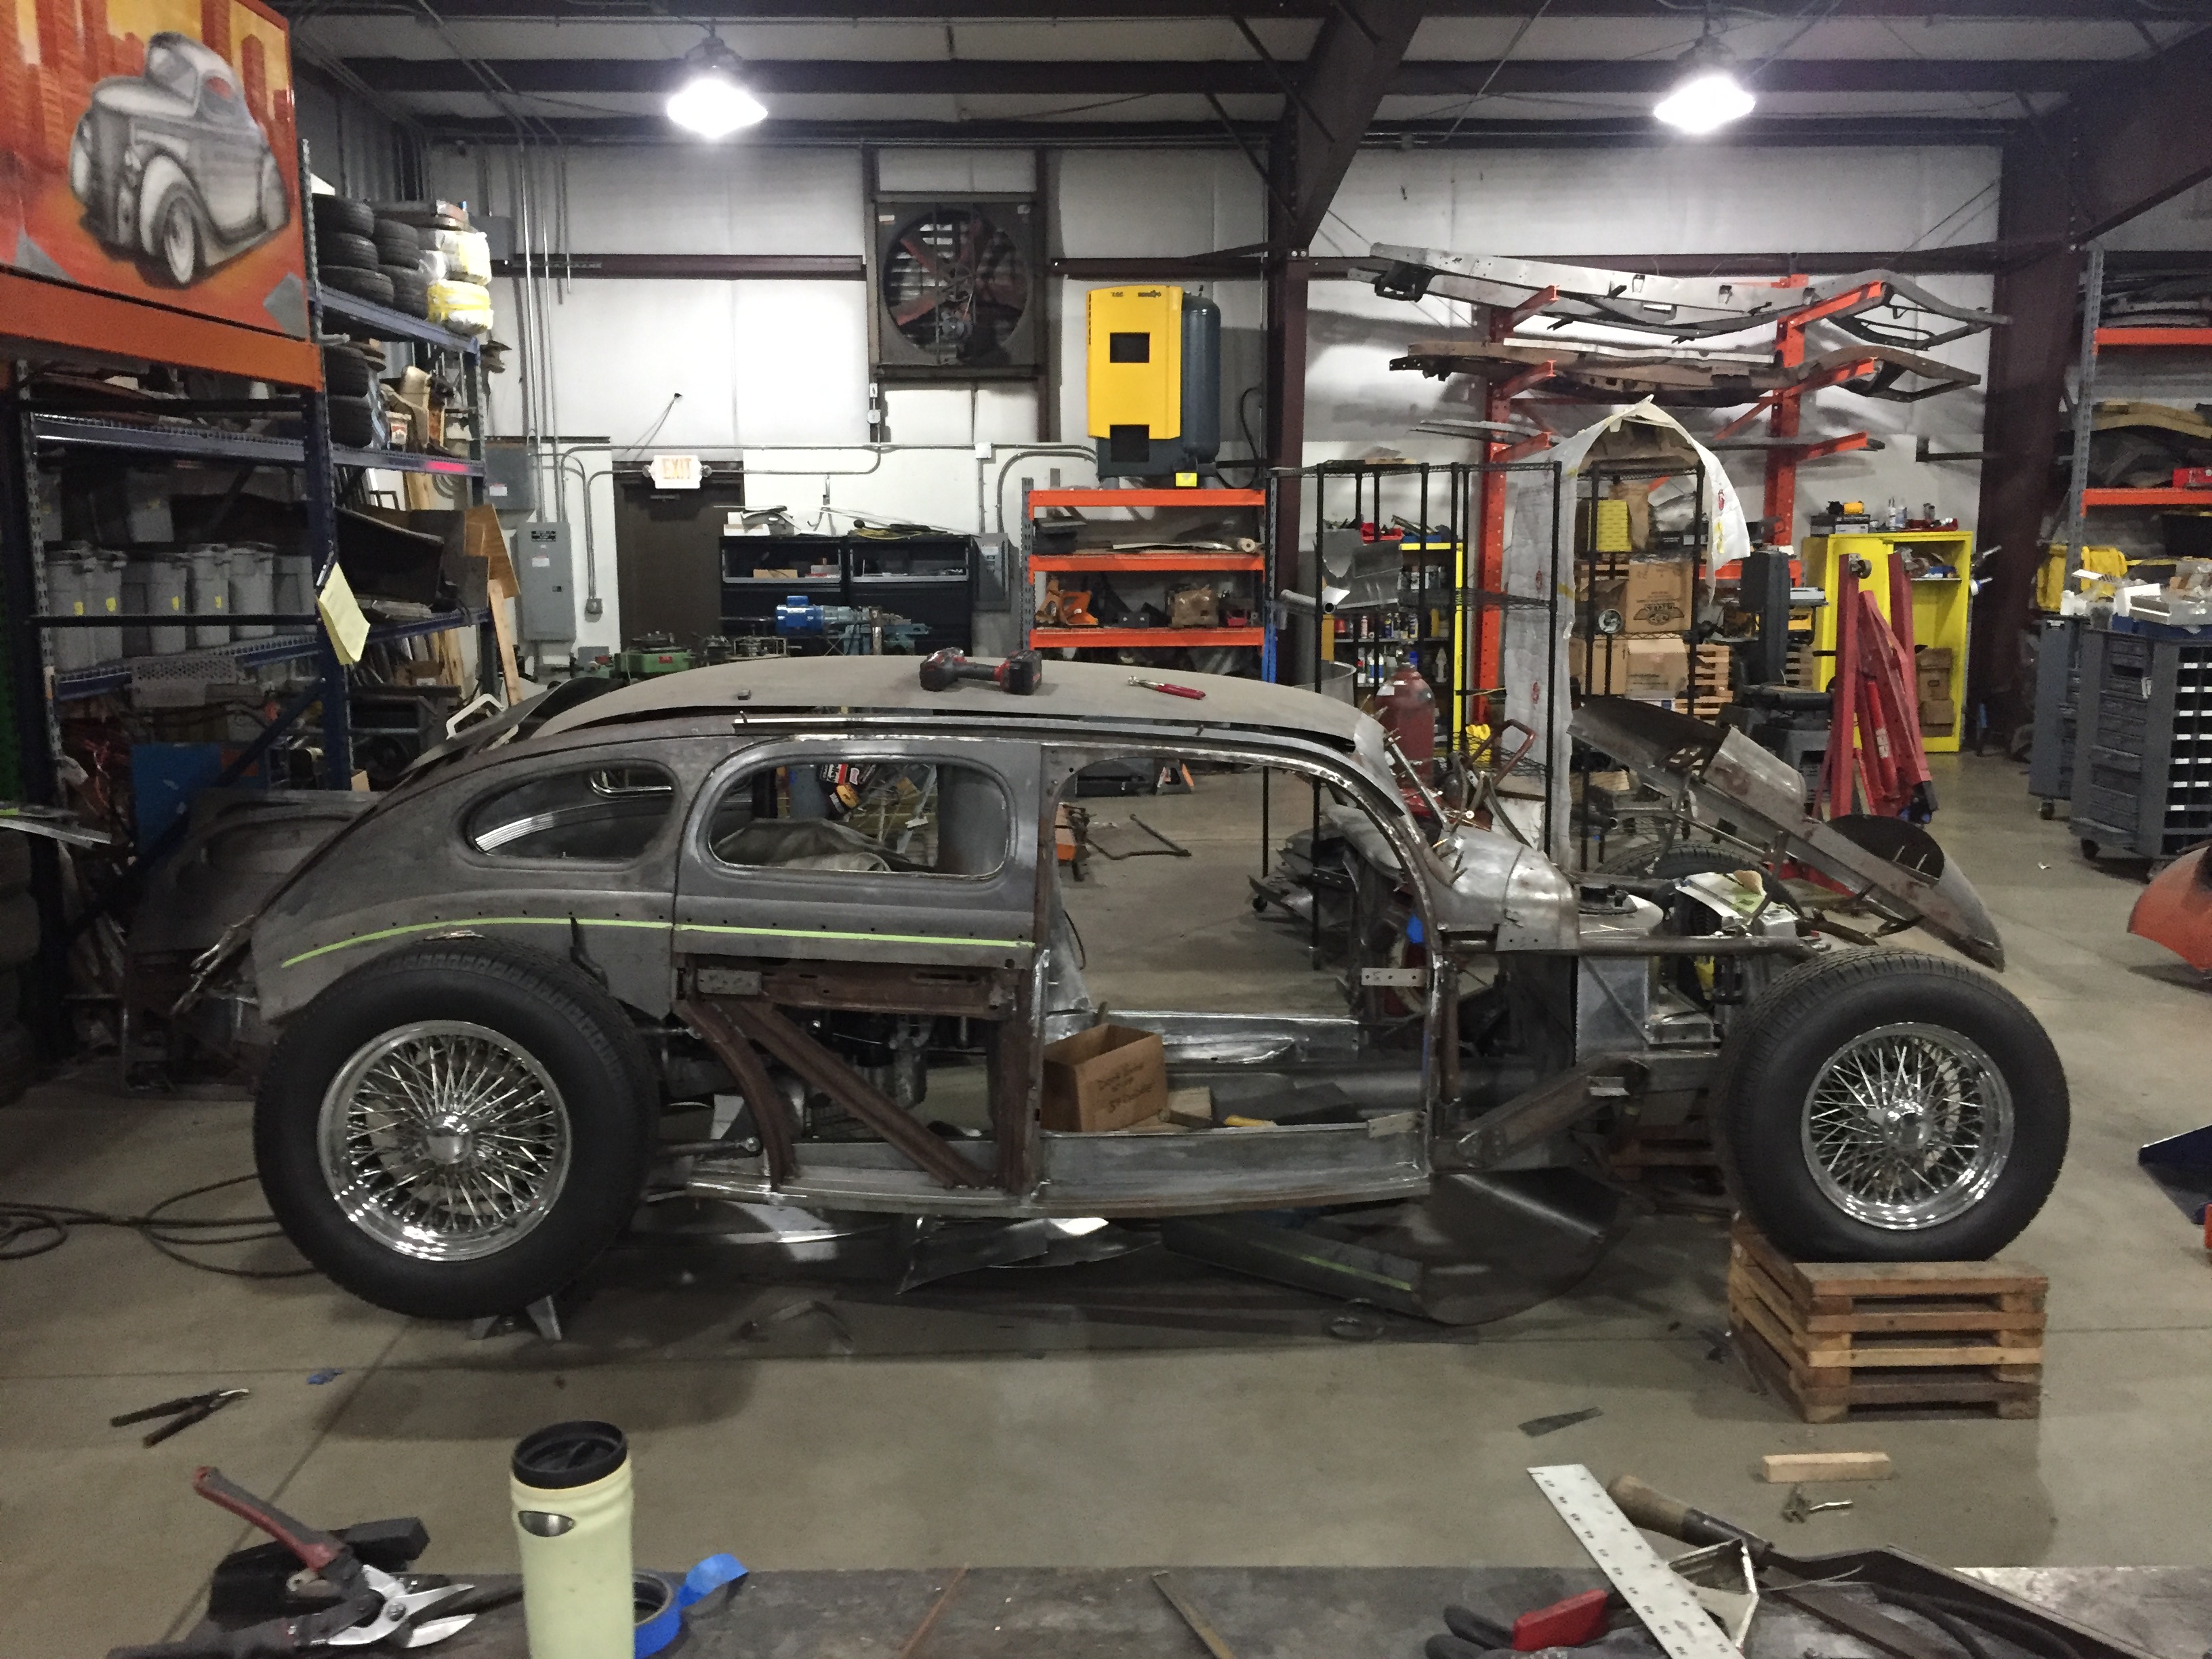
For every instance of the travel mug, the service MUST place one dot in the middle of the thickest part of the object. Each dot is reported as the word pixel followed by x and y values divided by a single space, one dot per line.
pixel 570 1486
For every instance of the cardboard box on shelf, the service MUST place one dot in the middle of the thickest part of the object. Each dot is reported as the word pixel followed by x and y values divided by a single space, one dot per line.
pixel 1107 1078
pixel 1653 596
pixel 1938 715
pixel 1630 665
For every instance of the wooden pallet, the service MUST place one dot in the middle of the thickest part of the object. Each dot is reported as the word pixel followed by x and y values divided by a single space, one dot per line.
pixel 1840 1339
pixel 1709 691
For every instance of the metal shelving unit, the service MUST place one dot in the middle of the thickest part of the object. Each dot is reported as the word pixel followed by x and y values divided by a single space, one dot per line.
pixel 178 441
pixel 1167 563
pixel 332 316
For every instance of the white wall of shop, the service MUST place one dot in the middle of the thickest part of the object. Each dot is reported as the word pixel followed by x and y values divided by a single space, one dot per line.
pixel 775 373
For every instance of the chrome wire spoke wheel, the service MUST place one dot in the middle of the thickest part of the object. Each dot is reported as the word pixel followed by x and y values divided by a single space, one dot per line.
pixel 1907 1127
pixel 444 1140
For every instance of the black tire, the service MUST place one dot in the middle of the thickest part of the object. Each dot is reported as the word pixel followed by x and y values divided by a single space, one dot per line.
pixel 1778 1052
pixel 343 213
pixel 1696 860
pixel 562 1020
pixel 373 286
pixel 353 421
pixel 19 1057
pixel 397 244
pixel 346 373
pixel 341 250
pixel 410 292
pixel 19 931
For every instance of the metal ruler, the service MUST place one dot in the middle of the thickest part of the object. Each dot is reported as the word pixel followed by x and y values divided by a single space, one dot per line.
pixel 1668 1607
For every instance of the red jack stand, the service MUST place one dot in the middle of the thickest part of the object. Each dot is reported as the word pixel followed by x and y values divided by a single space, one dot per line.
pixel 1875 753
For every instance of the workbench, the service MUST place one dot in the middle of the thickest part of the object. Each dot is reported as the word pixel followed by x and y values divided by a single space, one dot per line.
pixel 1273 1612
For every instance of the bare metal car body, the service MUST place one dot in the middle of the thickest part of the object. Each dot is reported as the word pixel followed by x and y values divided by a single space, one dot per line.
pixel 724 965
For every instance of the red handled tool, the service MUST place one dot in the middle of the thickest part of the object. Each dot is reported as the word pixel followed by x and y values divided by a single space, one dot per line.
pixel 1170 687
pixel 1021 673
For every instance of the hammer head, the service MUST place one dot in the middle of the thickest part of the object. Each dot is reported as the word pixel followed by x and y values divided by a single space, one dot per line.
pixel 1022 673
pixel 940 670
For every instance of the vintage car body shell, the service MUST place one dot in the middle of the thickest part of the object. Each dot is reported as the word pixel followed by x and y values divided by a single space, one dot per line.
pixel 668 928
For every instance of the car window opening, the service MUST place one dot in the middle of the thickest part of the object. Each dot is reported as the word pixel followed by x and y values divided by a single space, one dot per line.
pixel 864 817
pixel 602 814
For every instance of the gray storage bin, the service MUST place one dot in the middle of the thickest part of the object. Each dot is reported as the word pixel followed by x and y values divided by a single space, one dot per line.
pixel 208 589
pixel 70 570
pixel 104 590
pixel 295 590
pixel 252 591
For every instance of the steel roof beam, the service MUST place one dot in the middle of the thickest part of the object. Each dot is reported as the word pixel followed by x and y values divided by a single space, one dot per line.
pixel 2126 11
pixel 972 76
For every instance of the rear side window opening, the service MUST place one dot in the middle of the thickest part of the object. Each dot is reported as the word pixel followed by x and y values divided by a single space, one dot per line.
pixel 593 815
pixel 864 817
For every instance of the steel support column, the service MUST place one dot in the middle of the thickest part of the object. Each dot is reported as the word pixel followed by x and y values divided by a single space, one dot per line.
pixel 2025 387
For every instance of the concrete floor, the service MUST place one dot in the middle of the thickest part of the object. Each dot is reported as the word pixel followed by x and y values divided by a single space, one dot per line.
pixel 1029 1425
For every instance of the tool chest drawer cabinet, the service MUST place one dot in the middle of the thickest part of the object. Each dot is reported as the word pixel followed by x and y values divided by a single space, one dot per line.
pixel 2143 758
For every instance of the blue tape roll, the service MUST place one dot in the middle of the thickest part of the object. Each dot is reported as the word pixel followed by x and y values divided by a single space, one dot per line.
pixel 661 1607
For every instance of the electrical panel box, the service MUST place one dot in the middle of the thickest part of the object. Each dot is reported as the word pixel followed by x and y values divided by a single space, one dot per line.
pixel 510 478
pixel 544 566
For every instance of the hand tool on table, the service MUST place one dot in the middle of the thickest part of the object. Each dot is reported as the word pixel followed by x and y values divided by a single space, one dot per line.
pixel 1816 1582
pixel 1170 687
pixel 1200 1625
pixel 1668 1607
pixel 1021 673
pixel 372 1607
pixel 183 1411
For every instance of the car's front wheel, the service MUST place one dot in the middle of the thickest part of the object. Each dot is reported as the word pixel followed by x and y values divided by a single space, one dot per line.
pixel 1887 1106
pixel 455 1130
pixel 176 243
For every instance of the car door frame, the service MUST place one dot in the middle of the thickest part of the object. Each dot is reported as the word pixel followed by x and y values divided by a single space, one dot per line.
pixel 1187 1174
pixel 742 933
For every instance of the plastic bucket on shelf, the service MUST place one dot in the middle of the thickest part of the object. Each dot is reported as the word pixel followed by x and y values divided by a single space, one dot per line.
pixel 295 590
pixel 70 571
pixel 168 593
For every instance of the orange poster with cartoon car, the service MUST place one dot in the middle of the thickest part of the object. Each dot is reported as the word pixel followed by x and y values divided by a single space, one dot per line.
pixel 148 149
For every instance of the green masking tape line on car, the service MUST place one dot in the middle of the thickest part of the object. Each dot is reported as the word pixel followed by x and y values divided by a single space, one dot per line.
pixel 877 938
pixel 607 921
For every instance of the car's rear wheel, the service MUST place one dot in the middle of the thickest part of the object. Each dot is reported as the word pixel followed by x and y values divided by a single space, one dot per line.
pixel 177 235
pixel 1887 1106
pixel 455 1130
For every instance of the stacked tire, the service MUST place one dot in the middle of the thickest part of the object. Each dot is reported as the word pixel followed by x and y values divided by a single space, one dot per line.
pixel 351 245
pixel 346 257
pixel 399 254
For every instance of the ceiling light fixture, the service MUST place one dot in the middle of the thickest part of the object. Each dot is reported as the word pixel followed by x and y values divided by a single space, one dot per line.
pixel 1707 95
pixel 711 101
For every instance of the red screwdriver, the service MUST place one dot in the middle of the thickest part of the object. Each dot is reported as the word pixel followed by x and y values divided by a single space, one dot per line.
pixel 1171 688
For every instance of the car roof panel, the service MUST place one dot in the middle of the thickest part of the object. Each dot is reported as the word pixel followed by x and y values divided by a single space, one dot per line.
pixel 1071 691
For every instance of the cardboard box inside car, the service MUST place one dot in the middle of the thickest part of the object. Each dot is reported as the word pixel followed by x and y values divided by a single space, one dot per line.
pixel 1107 1078
pixel 1630 665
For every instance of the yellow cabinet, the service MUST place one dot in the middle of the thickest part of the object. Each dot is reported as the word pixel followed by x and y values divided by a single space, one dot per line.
pixel 1940 620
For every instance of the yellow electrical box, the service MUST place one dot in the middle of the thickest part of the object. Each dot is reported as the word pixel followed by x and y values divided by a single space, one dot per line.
pixel 1135 362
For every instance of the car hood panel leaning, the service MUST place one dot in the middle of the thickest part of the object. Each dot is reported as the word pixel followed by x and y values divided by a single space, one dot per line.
pixel 1722 774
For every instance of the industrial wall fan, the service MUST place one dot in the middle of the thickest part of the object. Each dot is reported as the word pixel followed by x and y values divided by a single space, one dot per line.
pixel 956 287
